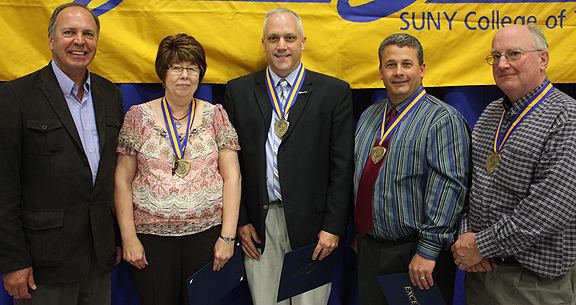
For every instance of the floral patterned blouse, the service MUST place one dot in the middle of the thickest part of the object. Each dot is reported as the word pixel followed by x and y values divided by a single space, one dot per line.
pixel 165 204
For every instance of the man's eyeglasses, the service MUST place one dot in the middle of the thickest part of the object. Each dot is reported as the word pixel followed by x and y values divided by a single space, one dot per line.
pixel 178 70
pixel 510 56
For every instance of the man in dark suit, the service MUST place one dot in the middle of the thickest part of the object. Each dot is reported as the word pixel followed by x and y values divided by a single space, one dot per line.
pixel 58 129
pixel 296 131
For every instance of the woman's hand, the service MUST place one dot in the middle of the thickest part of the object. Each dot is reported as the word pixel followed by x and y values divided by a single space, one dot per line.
pixel 134 253
pixel 223 251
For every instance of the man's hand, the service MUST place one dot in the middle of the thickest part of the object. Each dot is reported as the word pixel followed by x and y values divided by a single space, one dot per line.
pixel 249 236
pixel 327 242
pixel 466 253
pixel 17 283
pixel 420 271
pixel 485 265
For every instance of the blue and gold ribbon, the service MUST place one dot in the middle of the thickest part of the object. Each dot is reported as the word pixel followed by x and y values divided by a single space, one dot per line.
pixel 178 146
pixel 282 110
pixel 536 100
pixel 386 133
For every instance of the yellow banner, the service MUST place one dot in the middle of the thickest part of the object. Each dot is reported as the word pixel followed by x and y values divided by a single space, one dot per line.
pixel 342 36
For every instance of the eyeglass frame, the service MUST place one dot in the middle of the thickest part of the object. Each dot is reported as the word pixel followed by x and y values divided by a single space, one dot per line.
pixel 495 58
pixel 178 70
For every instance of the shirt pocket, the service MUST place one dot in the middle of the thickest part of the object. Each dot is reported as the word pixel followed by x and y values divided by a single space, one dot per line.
pixel 45 136
pixel 44 232
pixel 407 159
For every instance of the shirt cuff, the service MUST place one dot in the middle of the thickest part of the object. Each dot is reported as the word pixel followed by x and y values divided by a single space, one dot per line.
pixel 485 242
pixel 428 249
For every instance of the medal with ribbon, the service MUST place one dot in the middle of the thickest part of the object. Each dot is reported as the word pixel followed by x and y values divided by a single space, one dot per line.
pixel 181 166
pixel 499 140
pixel 281 126
pixel 379 151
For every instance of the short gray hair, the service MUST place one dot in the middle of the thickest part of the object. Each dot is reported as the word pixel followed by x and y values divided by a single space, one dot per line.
pixel 402 40
pixel 299 26
pixel 540 42
pixel 52 23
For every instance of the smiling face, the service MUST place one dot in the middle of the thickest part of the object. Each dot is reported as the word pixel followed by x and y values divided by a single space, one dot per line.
pixel 282 43
pixel 518 78
pixel 401 73
pixel 181 85
pixel 74 41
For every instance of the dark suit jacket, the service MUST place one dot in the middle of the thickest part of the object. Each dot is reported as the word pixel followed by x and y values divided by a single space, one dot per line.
pixel 51 216
pixel 315 158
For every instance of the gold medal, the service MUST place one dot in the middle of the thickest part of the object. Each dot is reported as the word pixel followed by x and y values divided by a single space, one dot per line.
pixel 378 153
pixel 491 163
pixel 181 167
pixel 281 127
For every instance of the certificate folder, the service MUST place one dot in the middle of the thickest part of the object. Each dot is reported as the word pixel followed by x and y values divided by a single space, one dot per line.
pixel 207 287
pixel 398 289
pixel 300 273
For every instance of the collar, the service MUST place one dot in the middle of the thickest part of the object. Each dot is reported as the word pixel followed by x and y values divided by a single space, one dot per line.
pixel 291 78
pixel 513 108
pixel 66 83
pixel 403 103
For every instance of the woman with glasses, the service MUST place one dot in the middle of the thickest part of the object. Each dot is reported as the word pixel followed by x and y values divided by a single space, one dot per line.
pixel 177 191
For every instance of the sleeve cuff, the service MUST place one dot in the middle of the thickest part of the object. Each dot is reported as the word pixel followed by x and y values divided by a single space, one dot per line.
pixel 428 249
pixel 485 243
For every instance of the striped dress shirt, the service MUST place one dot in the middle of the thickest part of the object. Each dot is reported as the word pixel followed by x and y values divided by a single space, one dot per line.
pixel 423 181
pixel 527 207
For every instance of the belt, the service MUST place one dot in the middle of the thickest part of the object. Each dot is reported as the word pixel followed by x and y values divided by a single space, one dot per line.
pixel 277 202
pixel 506 260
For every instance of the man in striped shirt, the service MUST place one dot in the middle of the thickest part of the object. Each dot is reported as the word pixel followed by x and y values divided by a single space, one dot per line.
pixel 522 213
pixel 411 178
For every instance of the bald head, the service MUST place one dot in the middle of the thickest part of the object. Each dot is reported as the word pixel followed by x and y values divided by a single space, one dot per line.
pixel 518 76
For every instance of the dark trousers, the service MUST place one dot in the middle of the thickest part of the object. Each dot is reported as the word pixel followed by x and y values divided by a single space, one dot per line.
pixel 93 289
pixel 379 257
pixel 172 260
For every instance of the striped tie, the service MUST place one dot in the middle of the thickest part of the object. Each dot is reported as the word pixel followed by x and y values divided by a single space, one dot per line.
pixel 283 84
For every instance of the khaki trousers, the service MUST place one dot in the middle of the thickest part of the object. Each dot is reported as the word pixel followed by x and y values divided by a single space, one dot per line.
pixel 513 284
pixel 264 275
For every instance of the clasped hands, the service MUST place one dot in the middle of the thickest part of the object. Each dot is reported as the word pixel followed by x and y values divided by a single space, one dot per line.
pixel 468 257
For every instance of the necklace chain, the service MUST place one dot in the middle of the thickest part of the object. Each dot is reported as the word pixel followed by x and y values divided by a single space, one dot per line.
pixel 181 117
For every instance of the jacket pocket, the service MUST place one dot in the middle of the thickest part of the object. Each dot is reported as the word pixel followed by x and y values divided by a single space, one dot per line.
pixel 44 231
pixel 320 205
pixel 45 136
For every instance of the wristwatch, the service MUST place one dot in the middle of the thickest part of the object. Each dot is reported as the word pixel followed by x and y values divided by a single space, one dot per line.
pixel 227 239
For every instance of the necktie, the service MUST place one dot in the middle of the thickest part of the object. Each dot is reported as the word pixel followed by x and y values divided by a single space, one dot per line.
pixel 283 84
pixel 363 212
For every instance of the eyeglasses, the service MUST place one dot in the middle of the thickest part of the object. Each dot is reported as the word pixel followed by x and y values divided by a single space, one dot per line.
pixel 178 70
pixel 510 56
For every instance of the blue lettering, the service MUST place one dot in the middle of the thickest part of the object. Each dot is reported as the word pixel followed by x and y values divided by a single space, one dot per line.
pixel 450 20
pixel 506 20
pixel 561 17
pixel 480 23
pixel 414 21
pixel 405 21
pixel 430 16
pixel 521 18
pixel 532 19
pixel 551 17
pixel 466 20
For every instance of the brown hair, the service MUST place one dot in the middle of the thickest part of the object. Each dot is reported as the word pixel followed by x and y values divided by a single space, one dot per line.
pixel 179 48
pixel 52 23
